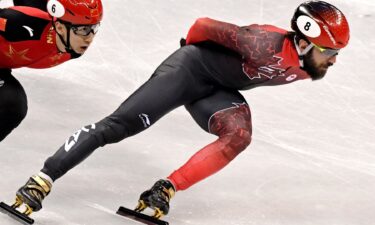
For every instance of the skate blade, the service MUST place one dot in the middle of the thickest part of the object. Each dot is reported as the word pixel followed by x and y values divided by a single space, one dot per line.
pixel 140 217
pixel 15 214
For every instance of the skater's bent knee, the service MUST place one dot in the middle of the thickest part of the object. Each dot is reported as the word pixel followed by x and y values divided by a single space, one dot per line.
pixel 240 139
pixel 236 141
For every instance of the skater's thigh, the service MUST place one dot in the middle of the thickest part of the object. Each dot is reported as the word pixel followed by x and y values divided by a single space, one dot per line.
pixel 205 108
pixel 169 87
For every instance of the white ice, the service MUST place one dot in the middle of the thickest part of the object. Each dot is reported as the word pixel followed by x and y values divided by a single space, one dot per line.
pixel 311 161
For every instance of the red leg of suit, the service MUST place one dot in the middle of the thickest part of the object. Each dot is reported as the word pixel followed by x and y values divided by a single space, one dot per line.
pixel 233 126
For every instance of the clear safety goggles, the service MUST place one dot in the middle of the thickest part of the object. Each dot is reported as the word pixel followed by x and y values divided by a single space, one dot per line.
pixel 329 52
pixel 85 30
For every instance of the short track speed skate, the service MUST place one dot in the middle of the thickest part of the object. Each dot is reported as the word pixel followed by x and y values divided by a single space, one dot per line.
pixel 30 196
pixel 157 198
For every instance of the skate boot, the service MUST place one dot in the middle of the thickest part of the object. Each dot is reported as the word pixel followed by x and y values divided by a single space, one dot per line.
pixel 31 196
pixel 33 193
pixel 157 198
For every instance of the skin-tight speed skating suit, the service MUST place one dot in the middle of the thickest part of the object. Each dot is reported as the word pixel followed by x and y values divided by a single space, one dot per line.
pixel 205 77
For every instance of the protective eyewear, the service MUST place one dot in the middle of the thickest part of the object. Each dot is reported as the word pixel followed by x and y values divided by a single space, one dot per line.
pixel 329 52
pixel 85 30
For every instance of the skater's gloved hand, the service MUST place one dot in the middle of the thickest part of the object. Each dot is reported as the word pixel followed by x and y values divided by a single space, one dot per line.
pixel 182 42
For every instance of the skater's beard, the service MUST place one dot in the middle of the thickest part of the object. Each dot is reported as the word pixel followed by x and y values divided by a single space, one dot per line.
pixel 315 70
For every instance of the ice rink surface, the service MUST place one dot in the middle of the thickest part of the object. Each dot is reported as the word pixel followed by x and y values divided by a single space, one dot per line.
pixel 311 162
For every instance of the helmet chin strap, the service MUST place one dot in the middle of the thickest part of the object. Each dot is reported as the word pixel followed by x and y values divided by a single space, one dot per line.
pixel 68 47
pixel 302 53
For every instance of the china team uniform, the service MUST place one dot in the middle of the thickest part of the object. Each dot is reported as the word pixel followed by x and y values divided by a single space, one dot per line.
pixel 27 39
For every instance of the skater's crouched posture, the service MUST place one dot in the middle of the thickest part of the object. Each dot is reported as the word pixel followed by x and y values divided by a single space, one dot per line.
pixel 205 76
pixel 34 38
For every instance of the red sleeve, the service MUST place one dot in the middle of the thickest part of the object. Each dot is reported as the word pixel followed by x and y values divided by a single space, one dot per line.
pixel 206 29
